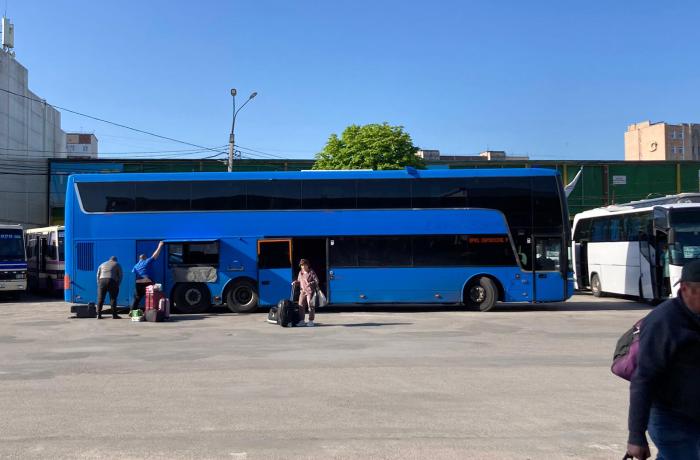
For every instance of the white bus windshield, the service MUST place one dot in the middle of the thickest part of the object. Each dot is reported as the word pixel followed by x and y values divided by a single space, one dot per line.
pixel 686 226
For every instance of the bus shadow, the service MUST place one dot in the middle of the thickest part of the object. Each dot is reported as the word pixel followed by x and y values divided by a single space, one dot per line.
pixel 579 306
pixel 575 307
pixel 176 317
pixel 363 324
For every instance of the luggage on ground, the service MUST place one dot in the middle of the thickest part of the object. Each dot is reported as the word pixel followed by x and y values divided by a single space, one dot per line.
pixel 164 305
pixel 157 304
pixel 627 353
pixel 84 311
pixel 154 315
pixel 288 314
pixel 153 296
pixel 136 315
pixel 272 315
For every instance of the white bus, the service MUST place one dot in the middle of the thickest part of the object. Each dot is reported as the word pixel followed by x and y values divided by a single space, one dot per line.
pixel 13 260
pixel 45 259
pixel 636 249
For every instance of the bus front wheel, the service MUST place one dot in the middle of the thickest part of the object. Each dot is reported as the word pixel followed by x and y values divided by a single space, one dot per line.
pixel 595 286
pixel 242 297
pixel 481 293
pixel 191 298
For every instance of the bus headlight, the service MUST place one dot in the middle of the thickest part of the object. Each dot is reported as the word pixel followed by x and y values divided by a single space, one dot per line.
pixel 21 276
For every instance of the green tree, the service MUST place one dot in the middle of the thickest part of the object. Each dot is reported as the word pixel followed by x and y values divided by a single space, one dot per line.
pixel 373 146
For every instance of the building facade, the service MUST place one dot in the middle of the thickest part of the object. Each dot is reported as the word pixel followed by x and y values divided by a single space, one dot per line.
pixel 647 141
pixel 81 146
pixel 487 155
pixel 30 133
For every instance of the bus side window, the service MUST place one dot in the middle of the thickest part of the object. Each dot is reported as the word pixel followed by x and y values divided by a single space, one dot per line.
pixel 193 254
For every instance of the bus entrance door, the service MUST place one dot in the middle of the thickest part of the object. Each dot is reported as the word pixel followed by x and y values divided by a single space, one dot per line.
pixel 646 274
pixel 549 283
pixel 274 270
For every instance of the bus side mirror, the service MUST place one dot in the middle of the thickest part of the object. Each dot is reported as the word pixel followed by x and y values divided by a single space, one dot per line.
pixel 671 236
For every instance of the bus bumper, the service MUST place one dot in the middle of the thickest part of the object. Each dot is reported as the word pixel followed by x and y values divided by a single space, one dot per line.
pixel 13 285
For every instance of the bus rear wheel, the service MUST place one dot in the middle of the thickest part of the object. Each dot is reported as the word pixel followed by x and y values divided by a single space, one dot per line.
pixel 481 293
pixel 242 297
pixel 191 298
pixel 595 286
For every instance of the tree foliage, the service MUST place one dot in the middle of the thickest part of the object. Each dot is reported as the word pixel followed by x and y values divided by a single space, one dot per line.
pixel 374 146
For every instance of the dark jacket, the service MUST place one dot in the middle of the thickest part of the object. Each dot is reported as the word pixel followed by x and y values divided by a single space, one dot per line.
pixel 668 373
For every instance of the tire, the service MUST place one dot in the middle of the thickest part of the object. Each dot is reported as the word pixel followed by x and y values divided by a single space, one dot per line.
pixel 596 288
pixel 191 298
pixel 481 293
pixel 242 297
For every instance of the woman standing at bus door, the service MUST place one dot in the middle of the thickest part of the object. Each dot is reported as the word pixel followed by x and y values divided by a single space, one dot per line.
pixel 144 275
pixel 308 281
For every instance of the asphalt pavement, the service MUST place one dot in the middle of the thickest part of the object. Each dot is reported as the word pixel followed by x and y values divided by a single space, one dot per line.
pixel 521 382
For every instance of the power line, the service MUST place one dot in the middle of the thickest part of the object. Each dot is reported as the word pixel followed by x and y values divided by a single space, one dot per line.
pixel 75 112
pixel 187 151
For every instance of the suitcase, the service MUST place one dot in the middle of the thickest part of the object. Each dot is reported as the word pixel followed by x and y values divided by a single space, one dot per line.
pixel 153 298
pixel 154 315
pixel 157 305
pixel 84 311
pixel 288 314
pixel 164 306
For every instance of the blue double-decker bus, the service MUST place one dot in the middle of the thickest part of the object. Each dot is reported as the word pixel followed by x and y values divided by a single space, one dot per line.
pixel 471 237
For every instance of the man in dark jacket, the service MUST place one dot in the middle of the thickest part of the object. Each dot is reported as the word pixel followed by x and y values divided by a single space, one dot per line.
pixel 109 275
pixel 665 388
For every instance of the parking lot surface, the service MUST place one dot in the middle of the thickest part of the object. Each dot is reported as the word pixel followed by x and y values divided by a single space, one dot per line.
pixel 391 383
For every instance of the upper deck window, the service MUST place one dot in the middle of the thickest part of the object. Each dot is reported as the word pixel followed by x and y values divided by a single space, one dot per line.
pixel 525 201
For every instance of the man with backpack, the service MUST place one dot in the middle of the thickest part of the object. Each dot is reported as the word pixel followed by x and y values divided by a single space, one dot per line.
pixel 665 388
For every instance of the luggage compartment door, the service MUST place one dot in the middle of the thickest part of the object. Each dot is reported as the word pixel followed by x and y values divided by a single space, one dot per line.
pixel 274 270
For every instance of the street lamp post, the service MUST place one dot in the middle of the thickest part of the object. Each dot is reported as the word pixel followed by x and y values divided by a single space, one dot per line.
pixel 232 136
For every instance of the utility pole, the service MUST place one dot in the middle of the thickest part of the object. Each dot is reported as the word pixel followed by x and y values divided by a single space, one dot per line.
pixel 232 136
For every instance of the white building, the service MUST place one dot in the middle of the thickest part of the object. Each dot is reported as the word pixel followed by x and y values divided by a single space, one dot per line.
pixel 81 146
pixel 30 132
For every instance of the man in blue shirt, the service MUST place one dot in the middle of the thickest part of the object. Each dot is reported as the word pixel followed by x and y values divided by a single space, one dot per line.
pixel 144 275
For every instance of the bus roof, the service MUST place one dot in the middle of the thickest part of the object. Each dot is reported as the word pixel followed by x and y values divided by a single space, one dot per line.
pixel 311 175
pixel 621 209
pixel 45 229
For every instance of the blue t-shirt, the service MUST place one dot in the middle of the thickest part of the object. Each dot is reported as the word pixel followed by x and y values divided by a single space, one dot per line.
pixel 144 269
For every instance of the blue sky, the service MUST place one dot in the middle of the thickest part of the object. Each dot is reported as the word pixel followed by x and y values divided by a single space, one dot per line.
pixel 552 79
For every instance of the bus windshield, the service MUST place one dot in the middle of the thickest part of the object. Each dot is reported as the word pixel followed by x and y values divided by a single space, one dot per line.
pixel 61 251
pixel 686 224
pixel 11 245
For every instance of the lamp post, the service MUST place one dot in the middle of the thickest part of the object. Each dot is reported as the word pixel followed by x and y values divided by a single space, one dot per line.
pixel 232 136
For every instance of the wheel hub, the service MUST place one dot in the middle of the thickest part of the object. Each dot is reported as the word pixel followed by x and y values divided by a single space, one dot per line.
pixel 477 294
pixel 193 296
pixel 242 295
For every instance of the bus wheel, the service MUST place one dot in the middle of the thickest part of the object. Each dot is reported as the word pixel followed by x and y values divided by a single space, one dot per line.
pixel 242 297
pixel 481 293
pixel 595 286
pixel 191 298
